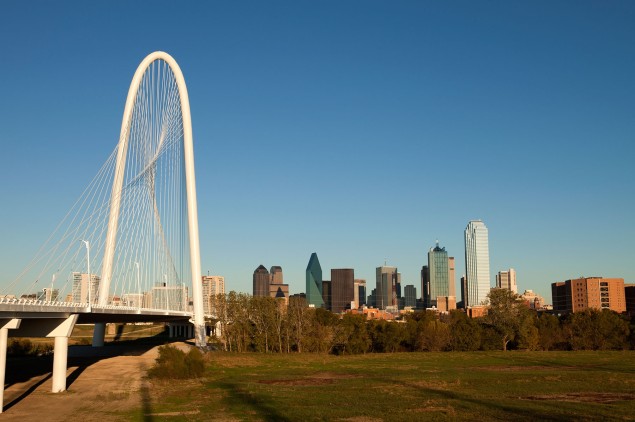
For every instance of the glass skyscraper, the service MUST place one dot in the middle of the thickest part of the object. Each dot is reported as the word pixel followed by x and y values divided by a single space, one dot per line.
pixel 314 282
pixel 438 283
pixel 387 281
pixel 476 264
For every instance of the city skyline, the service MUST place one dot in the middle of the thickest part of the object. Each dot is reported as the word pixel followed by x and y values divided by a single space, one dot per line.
pixel 304 115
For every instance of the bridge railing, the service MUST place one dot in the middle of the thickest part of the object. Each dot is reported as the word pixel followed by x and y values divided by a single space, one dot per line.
pixel 22 301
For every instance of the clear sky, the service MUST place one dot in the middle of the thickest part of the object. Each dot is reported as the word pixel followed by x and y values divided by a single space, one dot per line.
pixel 360 130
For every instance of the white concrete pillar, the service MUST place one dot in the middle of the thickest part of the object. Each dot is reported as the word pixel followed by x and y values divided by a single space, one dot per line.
pixel 4 335
pixel 61 333
pixel 60 358
pixel 98 334
pixel 170 331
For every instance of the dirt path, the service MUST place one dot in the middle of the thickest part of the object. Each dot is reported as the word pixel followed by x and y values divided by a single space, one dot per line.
pixel 97 388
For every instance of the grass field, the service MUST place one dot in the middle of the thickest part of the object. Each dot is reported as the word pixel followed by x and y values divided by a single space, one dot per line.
pixel 554 386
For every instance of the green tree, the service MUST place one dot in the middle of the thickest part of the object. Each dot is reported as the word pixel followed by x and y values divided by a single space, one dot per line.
pixel 321 335
pixel 593 329
pixel 239 329
pixel 353 338
pixel 507 315
pixel 433 336
pixel 386 336
pixel 465 332
pixel 297 322
pixel 262 313
pixel 550 335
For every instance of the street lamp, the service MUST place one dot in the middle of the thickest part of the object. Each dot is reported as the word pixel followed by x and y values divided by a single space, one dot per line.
pixel 138 286
pixel 87 243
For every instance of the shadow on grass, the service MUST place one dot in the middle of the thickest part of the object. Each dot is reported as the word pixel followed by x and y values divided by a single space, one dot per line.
pixel 241 399
pixel 146 402
pixel 511 412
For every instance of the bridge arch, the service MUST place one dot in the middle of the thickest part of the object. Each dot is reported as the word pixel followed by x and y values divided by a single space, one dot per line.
pixel 190 184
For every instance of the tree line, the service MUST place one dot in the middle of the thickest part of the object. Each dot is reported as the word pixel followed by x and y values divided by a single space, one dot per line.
pixel 264 324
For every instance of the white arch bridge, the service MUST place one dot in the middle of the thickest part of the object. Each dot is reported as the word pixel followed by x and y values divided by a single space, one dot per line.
pixel 128 250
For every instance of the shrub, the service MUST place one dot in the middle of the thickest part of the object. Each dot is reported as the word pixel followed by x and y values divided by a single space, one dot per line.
pixel 173 363
pixel 25 347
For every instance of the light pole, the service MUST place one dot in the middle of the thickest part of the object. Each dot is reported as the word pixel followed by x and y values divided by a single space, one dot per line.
pixel 138 285
pixel 87 243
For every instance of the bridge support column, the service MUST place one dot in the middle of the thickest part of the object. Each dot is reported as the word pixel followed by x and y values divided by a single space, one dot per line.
pixel 99 334
pixel 60 353
pixel 60 359
pixel 5 326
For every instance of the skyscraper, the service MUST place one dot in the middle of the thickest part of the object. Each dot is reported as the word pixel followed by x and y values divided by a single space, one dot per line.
pixel 276 274
pixel 314 282
pixel 387 280
pixel 342 289
pixel 438 281
pixel 410 295
pixel 359 286
pixel 326 294
pixel 277 289
pixel 212 286
pixel 425 279
pixel 80 287
pixel 261 281
pixel 452 277
pixel 507 280
pixel 476 263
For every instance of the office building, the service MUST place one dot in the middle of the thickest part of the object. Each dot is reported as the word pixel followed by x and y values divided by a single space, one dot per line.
pixel 342 289
pixel 463 282
pixel 276 275
pixel 277 288
pixel 371 301
pixel 80 287
pixel 589 292
pixel 533 300
pixel 446 303
pixel 212 285
pixel 314 282
pixel 425 280
pixel 452 277
pixel 326 294
pixel 279 291
pixel 387 279
pixel 438 283
pixel 507 280
pixel 476 264
pixel 359 292
pixel 437 280
pixel 629 295
pixel 410 296
pixel 134 300
pixel 261 281
pixel 174 298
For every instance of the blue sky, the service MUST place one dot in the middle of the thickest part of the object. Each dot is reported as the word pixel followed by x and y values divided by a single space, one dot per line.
pixel 360 130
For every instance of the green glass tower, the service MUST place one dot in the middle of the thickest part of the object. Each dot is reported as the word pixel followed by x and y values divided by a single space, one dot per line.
pixel 314 282
pixel 438 283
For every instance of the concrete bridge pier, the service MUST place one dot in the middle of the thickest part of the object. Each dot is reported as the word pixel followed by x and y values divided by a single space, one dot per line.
pixel 60 353
pixel 99 333
pixel 180 330
pixel 5 326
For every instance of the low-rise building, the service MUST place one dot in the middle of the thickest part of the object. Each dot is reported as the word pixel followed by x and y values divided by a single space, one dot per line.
pixel 589 292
